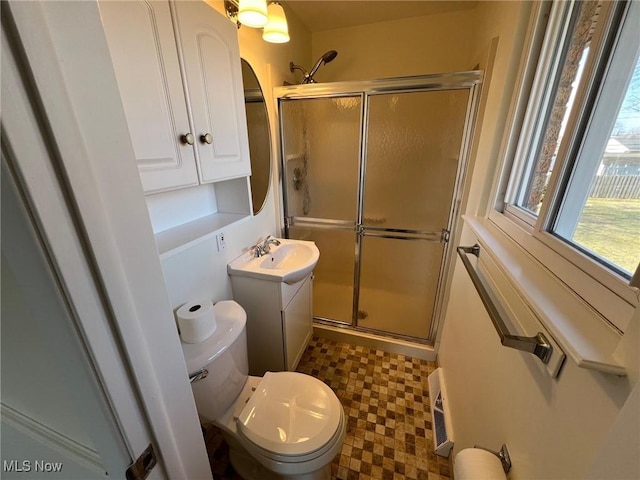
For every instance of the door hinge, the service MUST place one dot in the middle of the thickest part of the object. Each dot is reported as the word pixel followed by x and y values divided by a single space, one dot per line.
pixel 288 222
pixel 445 235
pixel 139 470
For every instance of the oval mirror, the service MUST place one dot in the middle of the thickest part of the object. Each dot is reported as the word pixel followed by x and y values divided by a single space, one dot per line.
pixel 259 137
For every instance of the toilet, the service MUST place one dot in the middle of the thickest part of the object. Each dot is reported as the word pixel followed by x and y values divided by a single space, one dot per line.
pixel 279 426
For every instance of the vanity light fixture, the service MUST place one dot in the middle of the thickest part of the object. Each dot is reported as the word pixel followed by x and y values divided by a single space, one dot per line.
pixel 256 14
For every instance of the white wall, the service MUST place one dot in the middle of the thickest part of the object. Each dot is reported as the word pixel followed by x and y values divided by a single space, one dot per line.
pixel 411 46
pixel 618 455
pixel 554 428
pixel 201 270
pixel 569 428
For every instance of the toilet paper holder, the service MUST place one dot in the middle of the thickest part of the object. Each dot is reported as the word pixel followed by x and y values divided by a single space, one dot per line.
pixel 503 456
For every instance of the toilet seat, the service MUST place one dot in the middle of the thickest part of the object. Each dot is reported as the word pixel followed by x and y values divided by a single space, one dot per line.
pixel 291 417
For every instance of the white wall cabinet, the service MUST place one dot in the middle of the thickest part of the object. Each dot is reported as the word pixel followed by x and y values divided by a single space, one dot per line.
pixel 211 56
pixel 178 69
pixel 279 321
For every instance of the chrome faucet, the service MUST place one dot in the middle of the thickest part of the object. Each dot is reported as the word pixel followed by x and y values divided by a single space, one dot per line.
pixel 269 241
pixel 263 248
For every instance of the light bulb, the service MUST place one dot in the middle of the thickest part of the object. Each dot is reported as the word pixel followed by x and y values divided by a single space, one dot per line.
pixel 253 13
pixel 276 30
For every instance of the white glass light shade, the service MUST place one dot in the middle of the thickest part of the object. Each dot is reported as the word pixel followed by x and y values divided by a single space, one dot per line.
pixel 253 13
pixel 277 30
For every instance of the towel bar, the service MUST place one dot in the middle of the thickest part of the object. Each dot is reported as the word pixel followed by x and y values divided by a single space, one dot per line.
pixel 538 345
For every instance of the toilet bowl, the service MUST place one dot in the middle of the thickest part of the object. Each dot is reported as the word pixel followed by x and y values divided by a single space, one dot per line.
pixel 281 425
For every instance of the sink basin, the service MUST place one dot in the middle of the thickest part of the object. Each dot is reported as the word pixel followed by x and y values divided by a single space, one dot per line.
pixel 289 262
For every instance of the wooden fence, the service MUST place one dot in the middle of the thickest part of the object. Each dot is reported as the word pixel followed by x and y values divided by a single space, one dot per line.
pixel 616 186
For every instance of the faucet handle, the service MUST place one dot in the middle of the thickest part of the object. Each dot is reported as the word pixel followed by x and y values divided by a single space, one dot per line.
pixel 269 241
pixel 257 250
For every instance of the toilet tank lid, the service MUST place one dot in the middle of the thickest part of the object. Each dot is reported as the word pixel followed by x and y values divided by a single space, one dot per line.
pixel 231 320
pixel 290 414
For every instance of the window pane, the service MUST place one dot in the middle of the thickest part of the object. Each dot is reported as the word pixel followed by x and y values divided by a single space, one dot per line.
pixel 534 183
pixel 600 212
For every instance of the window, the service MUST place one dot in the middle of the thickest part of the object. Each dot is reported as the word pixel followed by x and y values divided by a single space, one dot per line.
pixel 574 181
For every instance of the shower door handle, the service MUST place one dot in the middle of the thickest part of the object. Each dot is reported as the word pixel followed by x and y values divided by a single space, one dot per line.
pixel 538 345
pixel 399 234
pixel 374 220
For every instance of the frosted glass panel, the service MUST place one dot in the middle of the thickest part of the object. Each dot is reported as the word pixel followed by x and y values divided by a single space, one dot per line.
pixel 398 283
pixel 333 284
pixel 413 147
pixel 321 145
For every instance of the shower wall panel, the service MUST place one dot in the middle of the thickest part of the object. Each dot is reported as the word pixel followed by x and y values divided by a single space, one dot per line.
pixel 333 282
pixel 413 149
pixel 321 151
pixel 398 285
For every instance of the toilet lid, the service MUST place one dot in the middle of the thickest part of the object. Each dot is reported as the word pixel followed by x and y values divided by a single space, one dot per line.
pixel 290 414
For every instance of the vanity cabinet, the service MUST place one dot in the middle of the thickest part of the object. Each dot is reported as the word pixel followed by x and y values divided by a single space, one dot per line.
pixel 279 321
pixel 178 69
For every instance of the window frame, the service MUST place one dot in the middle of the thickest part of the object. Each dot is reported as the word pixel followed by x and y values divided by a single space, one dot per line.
pixel 606 291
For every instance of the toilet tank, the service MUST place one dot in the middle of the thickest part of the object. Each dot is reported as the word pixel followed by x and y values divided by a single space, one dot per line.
pixel 224 356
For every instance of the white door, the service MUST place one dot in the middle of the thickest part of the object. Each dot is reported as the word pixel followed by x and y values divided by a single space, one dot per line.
pixel 211 55
pixel 66 143
pixel 145 60
pixel 57 415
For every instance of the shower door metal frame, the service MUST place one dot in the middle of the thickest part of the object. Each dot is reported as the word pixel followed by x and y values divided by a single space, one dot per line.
pixel 471 81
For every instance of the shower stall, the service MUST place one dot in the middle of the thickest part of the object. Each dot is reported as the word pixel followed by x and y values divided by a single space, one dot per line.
pixel 372 173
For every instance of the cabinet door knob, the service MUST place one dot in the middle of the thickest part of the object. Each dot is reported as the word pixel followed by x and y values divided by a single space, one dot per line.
pixel 187 138
pixel 206 138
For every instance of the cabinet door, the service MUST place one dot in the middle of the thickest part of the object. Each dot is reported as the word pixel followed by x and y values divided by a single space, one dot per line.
pixel 143 50
pixel 209 45
pixel 298 324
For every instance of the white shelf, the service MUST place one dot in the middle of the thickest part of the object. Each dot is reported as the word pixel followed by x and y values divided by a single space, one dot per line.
pixel 177 239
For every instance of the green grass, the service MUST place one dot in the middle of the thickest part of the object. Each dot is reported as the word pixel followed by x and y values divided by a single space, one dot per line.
pixel 611 228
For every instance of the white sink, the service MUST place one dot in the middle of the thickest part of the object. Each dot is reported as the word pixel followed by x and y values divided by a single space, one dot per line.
pixel 289 262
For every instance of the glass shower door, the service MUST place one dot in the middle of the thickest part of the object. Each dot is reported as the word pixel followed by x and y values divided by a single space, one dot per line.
pixel 321 165
pixel 414 143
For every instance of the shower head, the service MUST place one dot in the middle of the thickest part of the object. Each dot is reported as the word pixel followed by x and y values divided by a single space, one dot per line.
pixel 326 58
pixel 308 76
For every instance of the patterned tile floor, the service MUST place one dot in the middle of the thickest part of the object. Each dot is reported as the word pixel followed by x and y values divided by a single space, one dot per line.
pixel 385 398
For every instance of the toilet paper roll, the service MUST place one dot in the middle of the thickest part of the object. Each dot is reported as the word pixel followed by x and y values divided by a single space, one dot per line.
pixel 477 464
pixel 197 321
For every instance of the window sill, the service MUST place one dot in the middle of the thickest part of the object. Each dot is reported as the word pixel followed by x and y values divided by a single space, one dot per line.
pixel 580 331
